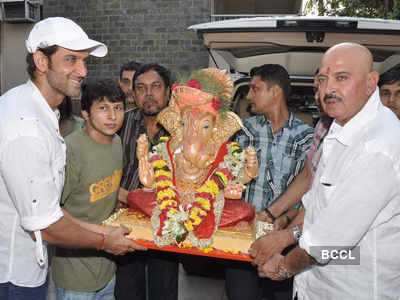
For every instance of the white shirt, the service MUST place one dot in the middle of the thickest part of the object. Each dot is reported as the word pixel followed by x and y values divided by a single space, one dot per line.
pixel 355 201
pixel 32 162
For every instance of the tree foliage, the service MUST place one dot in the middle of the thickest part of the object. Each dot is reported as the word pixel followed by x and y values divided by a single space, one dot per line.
pixel 354 8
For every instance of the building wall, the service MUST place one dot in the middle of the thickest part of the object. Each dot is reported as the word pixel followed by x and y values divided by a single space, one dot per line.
pixel 141 30
pixel 12 55
pixel 257 6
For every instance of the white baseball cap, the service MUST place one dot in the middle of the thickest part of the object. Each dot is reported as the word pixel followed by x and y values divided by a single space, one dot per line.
pixel 64 33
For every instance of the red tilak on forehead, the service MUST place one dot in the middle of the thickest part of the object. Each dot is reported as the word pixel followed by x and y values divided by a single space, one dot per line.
pixel 195 113
pixel 328 70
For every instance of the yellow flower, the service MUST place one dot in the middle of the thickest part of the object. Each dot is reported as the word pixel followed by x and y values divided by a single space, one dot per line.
pixel 168 193
pixel 208 249
pixel 222 176
pixel 164 183
pixel 159 163
pixel 165 203
pixel 188 226
pixel 235 147
pixel 199 211
pixel 163 138
pixel 205 203
pixel 173 211
pixel 186 244
pixel 213 186
pixel 203 189
pixel 162 172
pixel 196 219
pixel 209 187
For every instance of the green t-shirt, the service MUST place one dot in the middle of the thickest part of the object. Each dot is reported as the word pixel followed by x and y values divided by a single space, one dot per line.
pixel 74 123
pixel 93 175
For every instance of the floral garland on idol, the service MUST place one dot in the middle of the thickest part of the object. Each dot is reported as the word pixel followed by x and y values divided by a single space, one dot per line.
pixel 175 220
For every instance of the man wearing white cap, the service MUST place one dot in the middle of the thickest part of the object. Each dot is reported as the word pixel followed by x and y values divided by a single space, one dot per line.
pixel 32 161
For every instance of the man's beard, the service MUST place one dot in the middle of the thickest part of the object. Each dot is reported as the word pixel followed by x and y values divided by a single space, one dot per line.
pixel 250 109
pixel 59 82
pixel 150 113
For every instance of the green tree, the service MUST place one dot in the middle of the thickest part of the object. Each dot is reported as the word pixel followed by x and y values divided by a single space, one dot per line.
pixel 354 8
pixel 395 14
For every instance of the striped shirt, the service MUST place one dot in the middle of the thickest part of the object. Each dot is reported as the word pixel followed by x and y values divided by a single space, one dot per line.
pixel 281 156
pixel 134 125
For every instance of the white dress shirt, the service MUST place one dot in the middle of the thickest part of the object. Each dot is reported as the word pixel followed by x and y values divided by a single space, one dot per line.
pixel 32 162
pixel 355 201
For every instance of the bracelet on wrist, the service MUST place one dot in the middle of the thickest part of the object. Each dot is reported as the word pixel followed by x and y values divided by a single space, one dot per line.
pixel 101 245
pixel 269 214
pixel 296 233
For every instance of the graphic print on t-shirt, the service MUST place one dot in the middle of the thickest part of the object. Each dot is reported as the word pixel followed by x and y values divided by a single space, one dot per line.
pixel 105 187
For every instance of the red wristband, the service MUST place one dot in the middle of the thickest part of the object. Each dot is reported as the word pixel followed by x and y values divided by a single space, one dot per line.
pixel 103 239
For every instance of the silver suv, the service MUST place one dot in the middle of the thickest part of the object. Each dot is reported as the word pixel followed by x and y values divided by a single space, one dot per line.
pixel 297 43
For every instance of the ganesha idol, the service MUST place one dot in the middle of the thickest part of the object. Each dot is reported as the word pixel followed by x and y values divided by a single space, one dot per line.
pixel 196 176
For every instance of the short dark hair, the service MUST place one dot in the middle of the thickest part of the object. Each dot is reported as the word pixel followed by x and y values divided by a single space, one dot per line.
pixel 129 66
pixel 389 77
pixel 274 74
pixel 31 68
pixel 164 73
pixel 99 90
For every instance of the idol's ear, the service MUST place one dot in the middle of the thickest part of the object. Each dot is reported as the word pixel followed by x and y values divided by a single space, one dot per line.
pixel 227 125
pixel 170 119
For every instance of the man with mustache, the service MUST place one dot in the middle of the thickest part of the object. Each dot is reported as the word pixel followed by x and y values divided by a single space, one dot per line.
pixel 282 141
pixel 151 86
pixel 354 201
pixel 389 90
pixel 32 162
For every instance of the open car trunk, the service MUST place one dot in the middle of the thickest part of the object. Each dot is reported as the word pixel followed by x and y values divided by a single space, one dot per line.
pixel 297 43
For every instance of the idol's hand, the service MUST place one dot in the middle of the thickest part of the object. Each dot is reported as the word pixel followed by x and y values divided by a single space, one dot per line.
pixel 146 172
pixel 251 163
pixel 142 150
pixel 233 191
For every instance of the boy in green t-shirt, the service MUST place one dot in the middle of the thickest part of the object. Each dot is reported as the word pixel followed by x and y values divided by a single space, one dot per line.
pixel 93 174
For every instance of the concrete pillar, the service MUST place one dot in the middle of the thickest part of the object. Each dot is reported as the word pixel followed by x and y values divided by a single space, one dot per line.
pixel 12 54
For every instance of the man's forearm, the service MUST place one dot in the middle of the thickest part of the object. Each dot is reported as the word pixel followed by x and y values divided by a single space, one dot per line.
pixel 67 233
pixel 293 193
pixel 122 195
pixel 88 226
pixel 299 219
pixel 297 260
